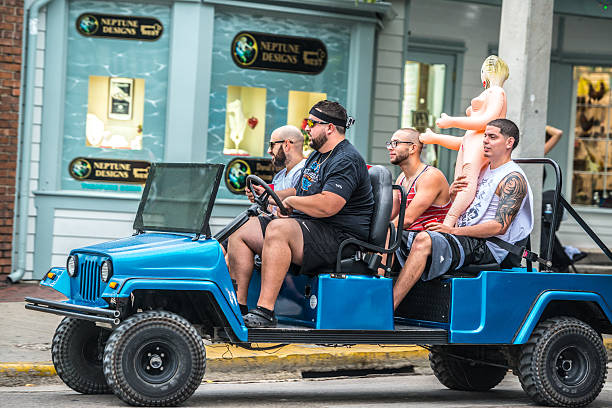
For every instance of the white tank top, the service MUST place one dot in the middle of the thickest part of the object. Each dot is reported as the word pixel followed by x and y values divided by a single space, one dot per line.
pixel 492 209
pixel 485 204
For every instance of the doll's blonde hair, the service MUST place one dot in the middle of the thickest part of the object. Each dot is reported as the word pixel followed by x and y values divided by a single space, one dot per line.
pixel 495 67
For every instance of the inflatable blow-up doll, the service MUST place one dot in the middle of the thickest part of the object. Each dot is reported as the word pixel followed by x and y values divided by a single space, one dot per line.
pixel 489 105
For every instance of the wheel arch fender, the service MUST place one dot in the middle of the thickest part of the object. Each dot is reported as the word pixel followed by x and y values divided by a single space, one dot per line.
pixel 60 281
pixel 225 298
pixel 544 301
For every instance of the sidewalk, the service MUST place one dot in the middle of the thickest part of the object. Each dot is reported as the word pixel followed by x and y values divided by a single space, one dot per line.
pixel 25 350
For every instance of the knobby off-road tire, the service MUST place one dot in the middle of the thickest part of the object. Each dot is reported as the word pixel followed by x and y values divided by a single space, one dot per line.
pixel 563 363
pixel 77 350
pixel 463 375
pixel 154 358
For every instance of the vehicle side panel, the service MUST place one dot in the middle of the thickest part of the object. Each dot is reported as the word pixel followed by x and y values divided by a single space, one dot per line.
pixel 493 307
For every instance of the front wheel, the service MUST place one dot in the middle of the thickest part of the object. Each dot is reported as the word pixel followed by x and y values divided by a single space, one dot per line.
pixel 154 358
pixel 77 350
pixel 563 363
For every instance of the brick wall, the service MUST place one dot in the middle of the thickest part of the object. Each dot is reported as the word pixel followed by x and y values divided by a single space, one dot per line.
pixel 11 24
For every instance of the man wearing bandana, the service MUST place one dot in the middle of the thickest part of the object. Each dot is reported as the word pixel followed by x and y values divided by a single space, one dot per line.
pixel 332 201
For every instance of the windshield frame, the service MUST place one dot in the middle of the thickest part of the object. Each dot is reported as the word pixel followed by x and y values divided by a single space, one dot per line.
pixel 156 167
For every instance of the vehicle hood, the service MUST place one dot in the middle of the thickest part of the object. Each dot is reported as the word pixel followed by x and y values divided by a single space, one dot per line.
pixel 158 255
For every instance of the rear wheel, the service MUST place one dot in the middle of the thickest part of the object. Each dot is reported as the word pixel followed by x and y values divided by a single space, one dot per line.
pixel 563 363
pixel 154 358
pixel 456 367
pixel 77 350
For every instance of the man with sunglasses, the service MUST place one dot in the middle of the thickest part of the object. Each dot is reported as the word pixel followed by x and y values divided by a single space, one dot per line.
pixel 286 149
pixel 333 201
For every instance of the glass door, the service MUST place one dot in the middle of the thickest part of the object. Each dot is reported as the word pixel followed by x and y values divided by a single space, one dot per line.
pixel 428 91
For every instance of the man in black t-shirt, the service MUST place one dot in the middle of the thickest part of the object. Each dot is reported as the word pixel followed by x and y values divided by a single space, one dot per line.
pixel 333 201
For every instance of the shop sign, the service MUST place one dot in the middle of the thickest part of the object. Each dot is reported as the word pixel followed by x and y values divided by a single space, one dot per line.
pixel 279 53
pixel 238 169
pixel 121 27
pixel 116 171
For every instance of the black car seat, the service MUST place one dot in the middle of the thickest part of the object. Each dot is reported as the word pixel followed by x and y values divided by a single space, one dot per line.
pixel 360 257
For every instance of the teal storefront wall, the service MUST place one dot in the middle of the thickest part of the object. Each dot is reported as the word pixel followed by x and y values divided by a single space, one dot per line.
pixel 333 81
pixel 181 119
pixel 108 57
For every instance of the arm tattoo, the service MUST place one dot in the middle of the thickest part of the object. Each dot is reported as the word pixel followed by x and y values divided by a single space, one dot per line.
pixel 512 190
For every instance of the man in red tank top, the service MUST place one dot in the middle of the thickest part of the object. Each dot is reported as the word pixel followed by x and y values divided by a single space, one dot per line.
pixel 427 188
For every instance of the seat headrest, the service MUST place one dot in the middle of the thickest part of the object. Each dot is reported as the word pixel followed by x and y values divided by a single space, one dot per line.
pixel 381 180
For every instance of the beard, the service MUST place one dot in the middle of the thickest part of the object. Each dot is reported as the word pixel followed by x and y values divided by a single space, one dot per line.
pixel 316 144
pixel 279 160
pixel 399 158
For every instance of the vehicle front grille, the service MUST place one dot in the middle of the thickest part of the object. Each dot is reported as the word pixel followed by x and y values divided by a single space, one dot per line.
pixel 89 276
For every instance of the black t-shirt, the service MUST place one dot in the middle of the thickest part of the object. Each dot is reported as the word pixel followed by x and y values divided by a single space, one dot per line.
pixel 342 171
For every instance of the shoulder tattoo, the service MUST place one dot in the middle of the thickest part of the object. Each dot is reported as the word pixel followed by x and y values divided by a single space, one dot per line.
pixel 512 190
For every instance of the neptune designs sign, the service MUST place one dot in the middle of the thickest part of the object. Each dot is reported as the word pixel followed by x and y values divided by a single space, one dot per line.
pixel 238 169
pixel 121 27
pixel 284 53
pixel 109 170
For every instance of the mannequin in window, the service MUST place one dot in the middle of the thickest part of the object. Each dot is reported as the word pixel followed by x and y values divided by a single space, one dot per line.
pixel 237 124
pixel 489 105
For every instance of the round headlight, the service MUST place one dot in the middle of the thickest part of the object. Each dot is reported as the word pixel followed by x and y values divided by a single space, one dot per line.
pixel 106 270
pixel 71 265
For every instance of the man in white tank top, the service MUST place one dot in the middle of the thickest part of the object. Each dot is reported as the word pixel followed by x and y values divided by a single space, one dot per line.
pixel 503 207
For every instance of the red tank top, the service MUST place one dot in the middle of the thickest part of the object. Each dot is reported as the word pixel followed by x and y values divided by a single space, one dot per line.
pixel 434 213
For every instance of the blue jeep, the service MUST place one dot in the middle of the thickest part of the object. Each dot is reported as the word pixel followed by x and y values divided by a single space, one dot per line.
pixel 138 308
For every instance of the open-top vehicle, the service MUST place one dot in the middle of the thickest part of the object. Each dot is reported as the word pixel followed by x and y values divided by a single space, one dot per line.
pixel 139 307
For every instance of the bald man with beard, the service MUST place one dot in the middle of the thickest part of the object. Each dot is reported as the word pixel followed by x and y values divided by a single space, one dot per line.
pixel 428 198
pixel 427 188
pixel 286 149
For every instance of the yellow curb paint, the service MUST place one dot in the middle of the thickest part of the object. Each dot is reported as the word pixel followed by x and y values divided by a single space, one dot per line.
pixel 226 351
pixel 228 355
pixel 42 369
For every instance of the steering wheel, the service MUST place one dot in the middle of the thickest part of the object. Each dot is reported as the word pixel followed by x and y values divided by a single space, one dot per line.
pixel 262 200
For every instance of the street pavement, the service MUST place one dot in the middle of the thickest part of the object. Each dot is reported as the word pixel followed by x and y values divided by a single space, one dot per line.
pixel 25 351
pixel 409 391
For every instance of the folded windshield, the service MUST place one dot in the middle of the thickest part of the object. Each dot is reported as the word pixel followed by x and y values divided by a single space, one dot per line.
pixel 178 197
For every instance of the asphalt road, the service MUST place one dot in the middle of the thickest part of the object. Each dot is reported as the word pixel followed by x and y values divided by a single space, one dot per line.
pixel 378 391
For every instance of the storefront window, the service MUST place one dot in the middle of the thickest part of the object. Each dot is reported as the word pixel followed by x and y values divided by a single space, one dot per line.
pixel 592 178
pixel 264 76
pixel 116 92
pixel 245 121
pixel 423 100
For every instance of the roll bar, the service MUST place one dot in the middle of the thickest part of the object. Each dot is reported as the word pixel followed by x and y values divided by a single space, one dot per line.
pixel 558 199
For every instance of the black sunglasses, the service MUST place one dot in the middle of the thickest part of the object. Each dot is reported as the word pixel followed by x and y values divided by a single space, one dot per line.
pixel 394 143
pixel 278 141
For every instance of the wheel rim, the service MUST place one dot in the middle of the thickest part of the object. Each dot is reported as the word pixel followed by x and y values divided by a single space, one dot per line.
pixel 571 366
pixel 156 363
